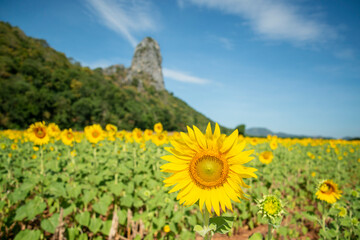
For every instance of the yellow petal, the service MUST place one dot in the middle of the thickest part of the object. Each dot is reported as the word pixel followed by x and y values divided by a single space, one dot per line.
pixel 190 143
pixel 215 202
pixel 231 193
pixel 200 138
pixel 208 131
pixel 180 185
pixel 174 159
pixel 191 133
pixel 229 141
pixel 217 131
pixel 174 167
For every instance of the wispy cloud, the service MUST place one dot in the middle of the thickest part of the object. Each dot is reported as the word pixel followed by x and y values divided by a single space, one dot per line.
pixel 346 54
pixel 226 43
pixel 104 63
pixel 184 77
pixel 277 19
pixel 124 17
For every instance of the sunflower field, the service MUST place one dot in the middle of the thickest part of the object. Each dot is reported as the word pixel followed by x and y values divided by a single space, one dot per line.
pixel 116 184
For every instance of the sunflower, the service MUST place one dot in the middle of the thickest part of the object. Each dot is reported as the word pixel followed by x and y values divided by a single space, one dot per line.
pixel 159 139
pixel 67 137
pixel 328 191
pixel 54 130
pixel 208 168
pixel 158 127
pixel 266 157
pixel 111 132
pixel 273 144
pixel 38 133
pixel 94 133
pixel 148 134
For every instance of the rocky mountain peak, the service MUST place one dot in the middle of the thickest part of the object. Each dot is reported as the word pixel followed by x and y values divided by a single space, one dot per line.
pixel 146 61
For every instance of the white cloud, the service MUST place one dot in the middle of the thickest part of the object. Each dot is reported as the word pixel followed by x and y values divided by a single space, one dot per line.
pixel 184 77
pixel 276 19
pixel 124 17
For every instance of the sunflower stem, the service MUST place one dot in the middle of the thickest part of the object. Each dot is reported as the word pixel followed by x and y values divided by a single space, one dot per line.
pixel 206 216
pixel 95 162
pixel 42 160
pixel 269 235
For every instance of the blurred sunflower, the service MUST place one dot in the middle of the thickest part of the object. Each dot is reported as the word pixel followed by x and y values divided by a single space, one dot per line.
pixel 38 133
pixel 94 133
pixel 67 137
pixel 158 127
pixel 266 157
pixel 148 134
pixel 159 139
pixel 208 168
pixel 54 130
pixel 111 132
pixel 328 191
pixel 273 144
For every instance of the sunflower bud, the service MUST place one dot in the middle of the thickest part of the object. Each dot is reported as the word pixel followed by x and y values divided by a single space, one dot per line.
pixel 271 208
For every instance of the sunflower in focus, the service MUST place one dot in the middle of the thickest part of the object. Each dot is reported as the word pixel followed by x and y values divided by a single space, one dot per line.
pixel 328 191
pixel 158 127
pixel 38 133
pixel 266 157
pixel 94 133
pixel 67 137
pixel 208 168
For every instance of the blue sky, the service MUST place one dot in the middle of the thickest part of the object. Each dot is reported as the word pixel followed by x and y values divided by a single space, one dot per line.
pixel 290 66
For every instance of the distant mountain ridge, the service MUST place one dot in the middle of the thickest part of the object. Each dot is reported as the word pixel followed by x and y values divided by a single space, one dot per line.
pixel 263 132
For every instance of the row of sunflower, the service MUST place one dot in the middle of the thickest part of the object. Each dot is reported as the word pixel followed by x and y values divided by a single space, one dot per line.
pixel 89 177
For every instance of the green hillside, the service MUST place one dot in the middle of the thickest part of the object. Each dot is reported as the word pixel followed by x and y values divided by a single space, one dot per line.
pixel 39 83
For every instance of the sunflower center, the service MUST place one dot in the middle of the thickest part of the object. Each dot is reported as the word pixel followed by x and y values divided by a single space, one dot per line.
pixel 95 134
pixel 271 207
pixel 266 155
pixel 69 136
pixel 40 132
pixel 325 188
pixel 209 171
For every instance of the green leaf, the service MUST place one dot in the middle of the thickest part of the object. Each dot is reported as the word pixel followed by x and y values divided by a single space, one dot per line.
pixel 223 224
pixel 102 206
pixel 199 229
pixel 83 218
pixel 57 189
pixel 83 236
pixel 88 196
pixel 50 224
pixel 28 235
pixel 35 207
pixel 73 191
pixel 127 201
pixel 95 225
pixel 72 233
pixel 106 227
pixel 20 213
pixel 256 236
pixel 122 215
pixel 69 209
pixel 116 189
pixel 18 195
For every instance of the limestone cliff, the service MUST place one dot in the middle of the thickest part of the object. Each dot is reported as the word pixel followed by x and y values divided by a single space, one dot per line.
pixel 146 66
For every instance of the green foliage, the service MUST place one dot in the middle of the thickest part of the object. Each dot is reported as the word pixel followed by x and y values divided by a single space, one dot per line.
pixel 39 83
